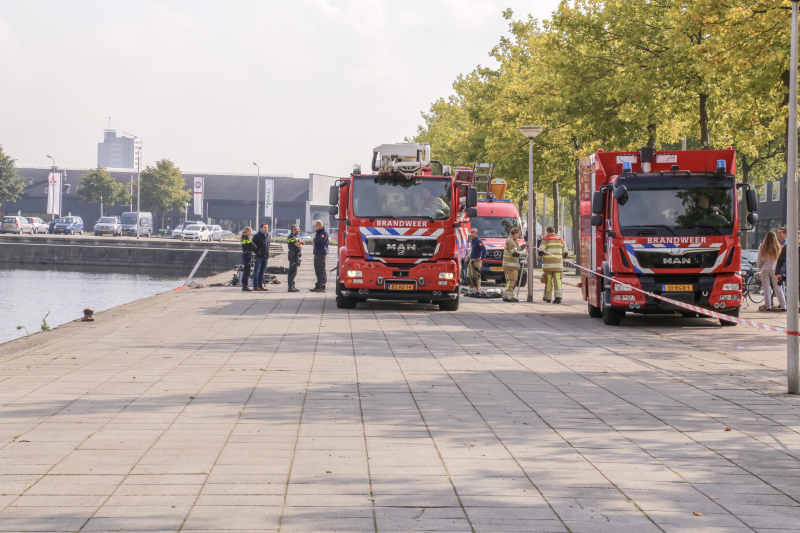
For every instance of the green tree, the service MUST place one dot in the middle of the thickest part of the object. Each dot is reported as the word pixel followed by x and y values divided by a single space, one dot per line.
pixel 11 183
pixel 163 188
pixel 97 186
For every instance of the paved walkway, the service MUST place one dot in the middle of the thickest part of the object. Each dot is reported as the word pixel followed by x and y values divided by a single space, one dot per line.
pixel 218 410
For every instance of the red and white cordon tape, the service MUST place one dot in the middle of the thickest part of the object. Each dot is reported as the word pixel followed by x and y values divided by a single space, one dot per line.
pixel 702 311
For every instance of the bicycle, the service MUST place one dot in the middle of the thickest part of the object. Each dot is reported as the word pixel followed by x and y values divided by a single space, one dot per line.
pixel 752 287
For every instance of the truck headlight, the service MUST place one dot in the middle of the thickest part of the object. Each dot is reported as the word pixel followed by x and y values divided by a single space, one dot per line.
pixel 622 287
pixel 354 274
pixel 625 297
pixel 446 275
pixel 731 287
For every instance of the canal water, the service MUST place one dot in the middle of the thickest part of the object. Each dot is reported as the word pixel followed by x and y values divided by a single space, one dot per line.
pixel 30 292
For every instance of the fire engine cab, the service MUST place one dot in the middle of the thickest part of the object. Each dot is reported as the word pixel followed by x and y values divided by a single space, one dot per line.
pixel 402 230
pixel 666 223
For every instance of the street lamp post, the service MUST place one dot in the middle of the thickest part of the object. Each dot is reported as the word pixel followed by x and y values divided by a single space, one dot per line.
pixel 531 132
pixel 54 168
pixel 138 194
pixel 258 191
pixel 792 275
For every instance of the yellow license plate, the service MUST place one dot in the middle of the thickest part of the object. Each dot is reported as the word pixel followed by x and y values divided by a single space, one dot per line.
pixel 678 288
pixel 401 286
pixel 496 269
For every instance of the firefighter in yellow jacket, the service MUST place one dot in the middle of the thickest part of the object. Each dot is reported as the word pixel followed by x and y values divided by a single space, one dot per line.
pixel 511 264
pixel 553 251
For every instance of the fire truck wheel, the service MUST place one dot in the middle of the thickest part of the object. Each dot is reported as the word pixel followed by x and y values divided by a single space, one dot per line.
pixel 595 312
pixel 731 312
pixel 612 316
pixel 449 304
pixel 341 301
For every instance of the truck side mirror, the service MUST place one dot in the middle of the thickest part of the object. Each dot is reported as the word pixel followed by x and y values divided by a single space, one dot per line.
pixel 597 202
pixel 333 196
pixel 472 197
pixel 597 220
pixel 752 218
pixel 752 200
pixel 472 212
pixel 333 210
pixel 621 194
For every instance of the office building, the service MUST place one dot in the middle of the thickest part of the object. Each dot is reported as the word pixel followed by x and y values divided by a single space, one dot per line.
pixel 118 152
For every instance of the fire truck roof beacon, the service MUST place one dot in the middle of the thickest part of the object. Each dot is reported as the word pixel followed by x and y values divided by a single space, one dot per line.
pixel 627 167
pixel 402 158
pixel 356 169
pixel 722 167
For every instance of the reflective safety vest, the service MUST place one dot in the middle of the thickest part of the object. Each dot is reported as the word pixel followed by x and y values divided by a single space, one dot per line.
pixel 555 249
pixel 512 247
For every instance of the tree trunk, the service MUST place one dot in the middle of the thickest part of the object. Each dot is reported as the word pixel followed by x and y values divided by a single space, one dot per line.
pixel 705 135
pixel 651 129
pixel 743 205
pixel 556 200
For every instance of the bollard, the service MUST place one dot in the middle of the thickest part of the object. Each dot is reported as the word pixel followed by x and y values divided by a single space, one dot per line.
pixel 88 315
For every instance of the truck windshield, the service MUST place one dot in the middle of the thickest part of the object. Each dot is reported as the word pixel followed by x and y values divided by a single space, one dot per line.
pixel 388 197
pixel 677 206
pixel 494 227
pixel 128 218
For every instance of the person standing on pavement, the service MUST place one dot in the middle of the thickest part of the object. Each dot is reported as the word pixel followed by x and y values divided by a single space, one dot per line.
pixel 782 236
pixel 553 251
pixel 295 245
pixel 321 240
pixel 261 240
pixel 780 265
pixel 511 264
pixel 766 261
pixel 248 249
pixel 477 254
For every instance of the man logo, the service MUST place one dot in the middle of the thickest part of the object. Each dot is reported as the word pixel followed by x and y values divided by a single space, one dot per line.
pixel 677 261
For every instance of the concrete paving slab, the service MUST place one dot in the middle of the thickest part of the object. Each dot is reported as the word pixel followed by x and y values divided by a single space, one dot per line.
pixel 218 410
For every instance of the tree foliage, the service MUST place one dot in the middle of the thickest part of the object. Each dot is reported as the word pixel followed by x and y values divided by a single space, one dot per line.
pixel 97 186
pixel 619 75
pixel 162 188
pixel 11 183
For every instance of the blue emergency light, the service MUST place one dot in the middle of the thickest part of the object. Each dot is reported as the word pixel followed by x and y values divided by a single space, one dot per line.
pixel 722 167
pixel 627 166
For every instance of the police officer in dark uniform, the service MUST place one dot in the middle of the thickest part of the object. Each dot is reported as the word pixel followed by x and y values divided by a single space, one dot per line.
pixel 248 249
pixel 295 245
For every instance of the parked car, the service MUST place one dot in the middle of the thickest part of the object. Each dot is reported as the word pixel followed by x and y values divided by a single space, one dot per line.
pixel 196 232
pixel 130 222
pixel 39 225
pixel 69 226
pixel 15 224
pixel 216 233
pixel 281 232
pixel 748 257
pixel 176 233
pixel 226 233
pixel 108 226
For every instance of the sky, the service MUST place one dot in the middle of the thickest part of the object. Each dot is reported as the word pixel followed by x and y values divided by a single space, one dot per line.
pixel 297 86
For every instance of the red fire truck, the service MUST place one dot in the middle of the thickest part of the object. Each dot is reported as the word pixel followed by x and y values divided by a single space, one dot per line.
pixel 402 231
pixel 666 223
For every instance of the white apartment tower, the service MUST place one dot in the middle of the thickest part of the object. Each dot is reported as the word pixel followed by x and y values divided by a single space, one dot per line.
pixel 118 152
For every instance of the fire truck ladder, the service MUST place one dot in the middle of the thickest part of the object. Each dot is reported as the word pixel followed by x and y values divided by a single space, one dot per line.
pixel 482 177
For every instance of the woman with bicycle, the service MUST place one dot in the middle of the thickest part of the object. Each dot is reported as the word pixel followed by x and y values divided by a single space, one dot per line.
pixel 765 261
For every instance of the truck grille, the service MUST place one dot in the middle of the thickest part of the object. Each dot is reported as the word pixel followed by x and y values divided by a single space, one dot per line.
pixel 393 247
pixel 665 258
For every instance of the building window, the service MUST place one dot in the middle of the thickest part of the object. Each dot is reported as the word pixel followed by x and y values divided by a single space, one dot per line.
pixel 776 191
pixel 762 193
